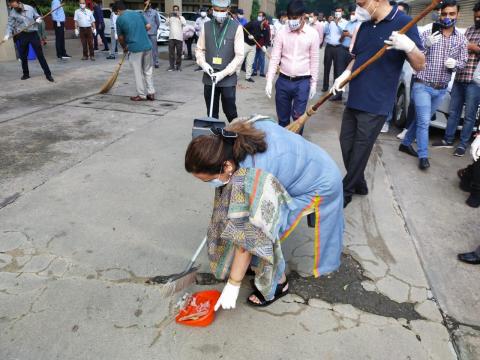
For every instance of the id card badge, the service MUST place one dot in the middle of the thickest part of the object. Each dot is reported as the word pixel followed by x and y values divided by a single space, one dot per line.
pixel 217 61
pixel 58 24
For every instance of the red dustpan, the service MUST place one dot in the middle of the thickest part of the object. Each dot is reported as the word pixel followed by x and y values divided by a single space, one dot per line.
pixel 198 310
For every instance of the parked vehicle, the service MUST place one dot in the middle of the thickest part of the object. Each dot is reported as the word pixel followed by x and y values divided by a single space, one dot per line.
pixel 439 120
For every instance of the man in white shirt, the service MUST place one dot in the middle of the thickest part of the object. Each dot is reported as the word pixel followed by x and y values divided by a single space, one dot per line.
pixel 113 33
pixel 85 28
pixel 176 22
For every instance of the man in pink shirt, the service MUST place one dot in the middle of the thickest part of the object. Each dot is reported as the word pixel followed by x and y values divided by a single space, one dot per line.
pixel 296 49
pixel 317 25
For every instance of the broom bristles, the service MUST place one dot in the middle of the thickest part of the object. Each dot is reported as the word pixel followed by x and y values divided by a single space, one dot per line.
pixel 298 124
pixel 111 81
pixel 172 287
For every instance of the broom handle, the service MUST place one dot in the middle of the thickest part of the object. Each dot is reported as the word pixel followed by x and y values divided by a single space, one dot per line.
pixel 248 33
pixel 379 54
pixel 33 23
pixel 197 252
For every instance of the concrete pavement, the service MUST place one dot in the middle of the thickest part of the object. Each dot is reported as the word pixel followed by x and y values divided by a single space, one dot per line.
pixel 94 199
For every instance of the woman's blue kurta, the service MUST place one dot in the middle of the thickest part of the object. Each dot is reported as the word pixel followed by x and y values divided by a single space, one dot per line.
pixel 306 171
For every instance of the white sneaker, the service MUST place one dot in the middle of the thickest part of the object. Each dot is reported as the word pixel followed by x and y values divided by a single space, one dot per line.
pixel 401 136
pixel 385 128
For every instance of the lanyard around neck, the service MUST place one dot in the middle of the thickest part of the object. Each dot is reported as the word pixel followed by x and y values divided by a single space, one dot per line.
pixel 222 35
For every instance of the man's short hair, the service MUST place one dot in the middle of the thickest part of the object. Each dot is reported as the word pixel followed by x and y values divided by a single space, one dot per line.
pixel 405 6
pixel 352 8
pixel 282 13
pixel 176 6
pixel 315 13
pixel 476 7
pixel 339 8
pixel 119 6
pixel 447 3
pixel 296 8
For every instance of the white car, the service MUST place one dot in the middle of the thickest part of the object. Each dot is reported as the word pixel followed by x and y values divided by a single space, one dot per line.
pixel 440 118
pixel 162 34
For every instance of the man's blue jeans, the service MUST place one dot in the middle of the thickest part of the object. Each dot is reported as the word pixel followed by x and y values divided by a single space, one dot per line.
pixel 468 94
pixel 427 100
pixel 259 62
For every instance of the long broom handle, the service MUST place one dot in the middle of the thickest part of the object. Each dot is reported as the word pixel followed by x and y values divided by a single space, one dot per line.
pixel 379 54
pixel 33 23
pixel 197 252
pixel 248 33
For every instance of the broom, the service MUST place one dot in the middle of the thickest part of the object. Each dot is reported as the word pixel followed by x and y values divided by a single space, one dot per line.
pixel 113 78
pixel 248 33
pixel 33 23
pixel 298 124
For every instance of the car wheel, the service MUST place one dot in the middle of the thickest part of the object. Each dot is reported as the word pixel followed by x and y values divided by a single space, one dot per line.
pixel 399 116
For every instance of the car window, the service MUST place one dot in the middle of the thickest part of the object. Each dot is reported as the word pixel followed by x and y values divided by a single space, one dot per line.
pixel 106 13
pixel 190 16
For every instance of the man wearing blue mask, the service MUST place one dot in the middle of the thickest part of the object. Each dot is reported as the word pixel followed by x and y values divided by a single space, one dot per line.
pixel 372 92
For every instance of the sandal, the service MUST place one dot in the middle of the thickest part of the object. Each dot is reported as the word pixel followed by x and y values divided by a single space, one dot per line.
pixel 279 292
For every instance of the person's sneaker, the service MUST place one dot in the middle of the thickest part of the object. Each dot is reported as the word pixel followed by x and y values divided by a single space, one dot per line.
pixel 459 151
pixel 25 77
pixel 111 57
pixel 385 128
pixel 401 136
pixel 250 80
pixel 170 69
pixel 66 57
pixel 442 144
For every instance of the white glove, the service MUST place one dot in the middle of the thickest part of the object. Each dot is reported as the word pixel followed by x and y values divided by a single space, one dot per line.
pixel 264 49
pixel 116 37
pixel 251 37
pixel 94 32
pixel 218 76
pixel 207 68
pixel 433 39
pixel 312 93
pixel 450 63
pixel 400 42
pixel 6 37
pixel 475 148
pixel 39 20
pixel 268 89
pixel 336 84
pixel 77 32
pixel 229 296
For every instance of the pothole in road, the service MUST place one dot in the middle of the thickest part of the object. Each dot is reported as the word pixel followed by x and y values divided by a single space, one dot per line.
pixel 344 287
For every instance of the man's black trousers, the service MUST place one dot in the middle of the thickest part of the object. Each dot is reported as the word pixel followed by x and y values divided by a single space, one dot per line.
pixel 228 95
pixel 24 39
pixel 333 55
pixel 60 39
pixel 357 136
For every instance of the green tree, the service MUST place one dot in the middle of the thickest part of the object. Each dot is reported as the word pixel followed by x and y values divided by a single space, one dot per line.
pixel 255 9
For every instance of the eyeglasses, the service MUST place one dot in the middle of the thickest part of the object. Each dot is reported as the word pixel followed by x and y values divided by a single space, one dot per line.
pixel 224 133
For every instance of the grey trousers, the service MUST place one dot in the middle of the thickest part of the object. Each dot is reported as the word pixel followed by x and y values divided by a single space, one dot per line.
pixel 141 63
pixel 153 40
pixel 357 136
pixel 175 48
pixel 113 42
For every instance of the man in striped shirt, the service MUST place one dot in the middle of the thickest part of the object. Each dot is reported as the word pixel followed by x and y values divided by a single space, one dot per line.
pixel 445 52
pixel 465 90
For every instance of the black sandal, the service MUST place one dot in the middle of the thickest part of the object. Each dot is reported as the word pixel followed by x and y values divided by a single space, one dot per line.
pixel 279 292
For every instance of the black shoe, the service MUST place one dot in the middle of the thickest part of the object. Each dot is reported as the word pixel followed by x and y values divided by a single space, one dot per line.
pixel 262 75
pixel 157 66
pixel 254 74
pixel 473 201
pixel 423 164
pixel 25 77
pixel 66 57
pixel 170 69
pixel 178 68
pixel 346 201
pixel 106 49
pixel 408 150
pixel 324 89
pixel 361 190
pixel 250 80
pixel 442 144
pixel 469 258
pixel 111 57
pixel 50 78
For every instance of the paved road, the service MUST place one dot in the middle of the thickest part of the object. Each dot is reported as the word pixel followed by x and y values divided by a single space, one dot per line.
pixel 94 199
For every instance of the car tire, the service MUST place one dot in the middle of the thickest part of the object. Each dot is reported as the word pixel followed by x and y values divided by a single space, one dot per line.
pixel 399 116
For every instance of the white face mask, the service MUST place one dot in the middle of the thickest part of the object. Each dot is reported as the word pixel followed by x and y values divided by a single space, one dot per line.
pixel 294 24
pixel 338 14
pixel 260 18
pixel 217 183
pixel 362 14
pixel 353 18
pixel 240 16
pixel 220 16
pixel 203 14
pixel 82 6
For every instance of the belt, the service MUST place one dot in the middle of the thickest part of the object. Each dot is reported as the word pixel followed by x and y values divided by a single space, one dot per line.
pixel 294 78
pixel 433 85
pixel 333 45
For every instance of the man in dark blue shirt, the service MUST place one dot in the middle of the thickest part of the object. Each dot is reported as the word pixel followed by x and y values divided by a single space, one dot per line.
pixel 100 24
pixel 372 93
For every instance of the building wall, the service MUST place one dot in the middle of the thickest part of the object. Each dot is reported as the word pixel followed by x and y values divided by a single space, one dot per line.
pixel 7 51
